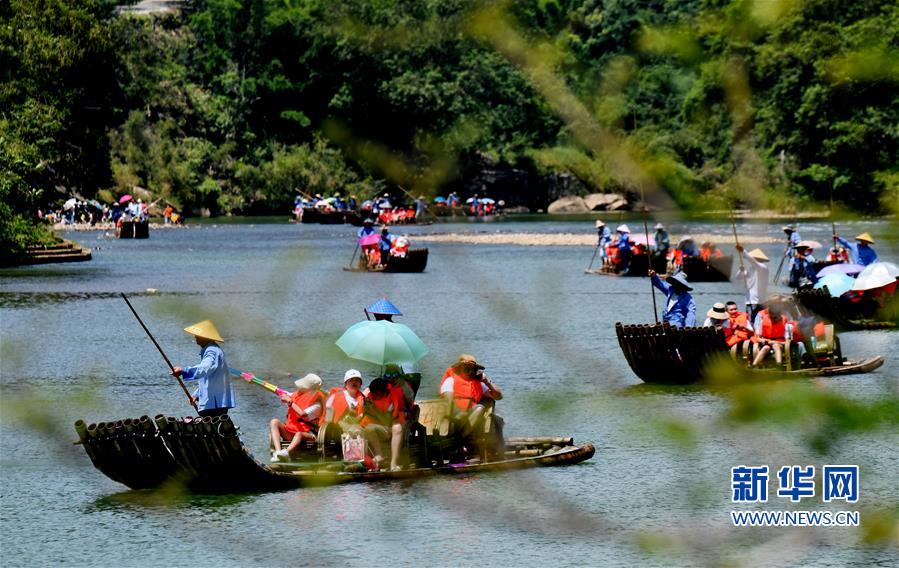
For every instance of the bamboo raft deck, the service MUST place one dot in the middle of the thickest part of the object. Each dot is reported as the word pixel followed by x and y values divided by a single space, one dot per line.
pixel 843 313
pixel 659 353
pixel 208 455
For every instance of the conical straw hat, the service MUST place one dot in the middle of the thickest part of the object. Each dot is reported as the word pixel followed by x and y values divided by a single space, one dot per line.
pixel 205 329
pixel 865 237
pixel 759 255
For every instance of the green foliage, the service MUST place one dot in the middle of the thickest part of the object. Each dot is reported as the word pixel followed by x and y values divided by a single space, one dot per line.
pixel 222 107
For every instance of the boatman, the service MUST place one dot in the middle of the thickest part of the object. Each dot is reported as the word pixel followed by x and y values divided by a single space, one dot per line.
pixel 793 239
pixel 214 395
pixel 663 241
pixel 802 274
pixel 624 247
pixel 680 310
pixel 367 228
pixel 755 273
pixel 603 238
pixel 862 252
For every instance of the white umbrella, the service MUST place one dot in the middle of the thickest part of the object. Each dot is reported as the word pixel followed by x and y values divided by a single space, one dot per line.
pixel 69 204
pixel 876 275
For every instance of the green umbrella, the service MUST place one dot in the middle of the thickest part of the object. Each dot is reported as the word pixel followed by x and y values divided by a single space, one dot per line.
pixel 382 342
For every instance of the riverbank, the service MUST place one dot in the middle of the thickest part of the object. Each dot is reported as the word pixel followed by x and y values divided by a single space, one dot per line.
pixel 110 226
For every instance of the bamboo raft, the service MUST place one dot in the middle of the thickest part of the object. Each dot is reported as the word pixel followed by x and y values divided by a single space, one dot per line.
pixel 717 269
pixel 208 456
pixel 639 267
pixel 840 311
pixel 659 353
pixel 134 230
pixel 416 260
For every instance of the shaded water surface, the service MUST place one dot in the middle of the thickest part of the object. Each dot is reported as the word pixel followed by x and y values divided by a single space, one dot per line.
pixel 545 331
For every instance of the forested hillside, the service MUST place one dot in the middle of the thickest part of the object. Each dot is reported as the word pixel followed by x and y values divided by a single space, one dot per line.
pixel 232 105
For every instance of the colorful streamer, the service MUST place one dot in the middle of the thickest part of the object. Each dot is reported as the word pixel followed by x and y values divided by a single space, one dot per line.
pixel 253 379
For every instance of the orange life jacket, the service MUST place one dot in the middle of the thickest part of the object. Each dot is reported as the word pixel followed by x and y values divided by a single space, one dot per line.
pixel 304 400
pixel 385 410
pixel 776 330
pixel 340 406
pixel 735 336
pixel 466 392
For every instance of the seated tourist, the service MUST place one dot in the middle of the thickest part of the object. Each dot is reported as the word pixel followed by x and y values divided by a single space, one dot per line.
pixel 304 411
pixel 470 391
pixel 382 419
pixel 716 316
pixel 344 405
pixel 772 330
pixel 737 330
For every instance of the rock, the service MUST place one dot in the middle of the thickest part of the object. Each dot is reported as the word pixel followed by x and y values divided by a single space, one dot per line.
pixel 619 205
pixel 606 201
pixel 570 204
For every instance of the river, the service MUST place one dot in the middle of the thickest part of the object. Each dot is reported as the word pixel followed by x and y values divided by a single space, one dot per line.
pixel 657 491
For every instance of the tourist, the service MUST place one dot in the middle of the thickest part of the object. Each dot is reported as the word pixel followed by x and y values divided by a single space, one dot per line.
pixel 754 272
pixel 304 411
pixel 793 239
pixel 383 309
pixel 214 395
pixel 772 330
pixel 737 330
pixel 383 419
pixel 470 393
pixel 861 251
pixel 386 243
pixel 344 405
pixel 716 316
pixel 680 309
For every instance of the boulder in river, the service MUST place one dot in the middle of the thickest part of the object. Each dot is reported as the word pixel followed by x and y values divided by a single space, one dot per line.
pixel 569 204
pixel 606 202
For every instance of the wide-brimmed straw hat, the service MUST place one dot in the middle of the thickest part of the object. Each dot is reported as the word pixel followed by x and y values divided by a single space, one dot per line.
pixel 599 224
pixel 718 311
pixel 205 329
pixel 309 382
pixel 659 226
pixel 623 229
pixel 865 237
pixel 759 255
pixel 681 279
pixel 803 245
pixel 789 228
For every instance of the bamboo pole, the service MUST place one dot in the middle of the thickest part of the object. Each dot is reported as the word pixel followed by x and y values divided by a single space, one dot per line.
pixel 190 398
pixel 652 289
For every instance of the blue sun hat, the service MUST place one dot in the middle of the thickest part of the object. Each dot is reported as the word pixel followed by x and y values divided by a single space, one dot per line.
pixel 681 279
pixel 384 307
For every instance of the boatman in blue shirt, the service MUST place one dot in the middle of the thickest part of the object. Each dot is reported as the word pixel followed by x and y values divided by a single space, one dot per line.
pixel 862 252
pixel 214 395
pixel 368 228
pixel 603 239
pixel 624 247
pixel 680 310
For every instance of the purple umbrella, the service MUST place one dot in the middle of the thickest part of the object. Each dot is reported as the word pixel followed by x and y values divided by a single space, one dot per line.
pixel 125 198
pixel 842 268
